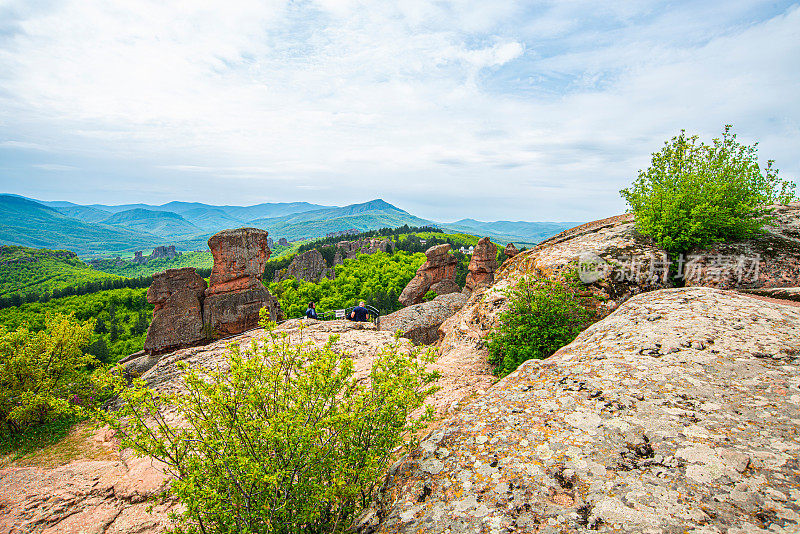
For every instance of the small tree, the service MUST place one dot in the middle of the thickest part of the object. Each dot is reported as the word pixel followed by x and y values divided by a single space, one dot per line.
pixel 694 194
pixel 282 438
pixel 44 375
pixel 543 316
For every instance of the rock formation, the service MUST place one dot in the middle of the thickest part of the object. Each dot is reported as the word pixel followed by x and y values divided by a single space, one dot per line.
pixel 309 266
pixel 161 252
pixel 235 294
pixel 510 250
pixel 351 249
pixel 440 265
pixel 177 295
pixel 420 322
pixel 445 287
pixel 678 413
pixel 482 265
pixel 283 242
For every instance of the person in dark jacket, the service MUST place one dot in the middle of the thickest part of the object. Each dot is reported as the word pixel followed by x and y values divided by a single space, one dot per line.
pixel 359 313
pixel 311 311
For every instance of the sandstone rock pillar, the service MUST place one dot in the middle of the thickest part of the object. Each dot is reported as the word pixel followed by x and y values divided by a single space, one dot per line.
pixel 441 266
pixel 178 315
pixel 482 265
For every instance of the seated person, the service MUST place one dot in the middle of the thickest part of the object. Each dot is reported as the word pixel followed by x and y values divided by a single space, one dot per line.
pixel 311 311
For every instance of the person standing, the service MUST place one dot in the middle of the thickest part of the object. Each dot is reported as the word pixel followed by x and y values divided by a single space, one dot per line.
pixel 311 311
pixel 359 313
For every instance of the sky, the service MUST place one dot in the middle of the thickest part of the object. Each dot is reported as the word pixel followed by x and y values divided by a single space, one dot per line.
pixel 500 110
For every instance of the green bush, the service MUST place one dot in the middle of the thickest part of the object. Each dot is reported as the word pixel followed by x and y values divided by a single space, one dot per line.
pixel 44 376
pixel 543 316
pixel 285 441
pixel 694 194
pixel 430 295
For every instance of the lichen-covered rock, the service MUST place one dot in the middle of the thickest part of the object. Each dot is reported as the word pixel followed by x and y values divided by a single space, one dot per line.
pixel 440 266
pixel 309 266
pixel 236 295
pixel 420 322
pixel 482 265
pixel 677 413
pixel 178 314
pixel 783 293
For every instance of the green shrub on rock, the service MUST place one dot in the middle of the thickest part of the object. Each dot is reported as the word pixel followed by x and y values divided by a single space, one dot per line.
pixel 543 316
pixel 694 194
pixel 45 375
pixel 282 439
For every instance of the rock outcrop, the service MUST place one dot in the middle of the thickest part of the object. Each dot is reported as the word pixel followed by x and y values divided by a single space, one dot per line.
pixel 159 253
pixel 309 266
pixel 440 266
pixel 420 322
pixel 445 287
pixel 678 413
pixel 177 295
pixel 482 265
pixel 510 250
pixel 283 242
pixel 351 249
pixel 235 293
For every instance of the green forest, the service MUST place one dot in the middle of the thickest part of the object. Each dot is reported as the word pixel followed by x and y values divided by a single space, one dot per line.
pixel 122 317
pixel 26 271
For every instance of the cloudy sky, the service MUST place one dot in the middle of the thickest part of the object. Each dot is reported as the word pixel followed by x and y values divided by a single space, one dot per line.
pixel 449 109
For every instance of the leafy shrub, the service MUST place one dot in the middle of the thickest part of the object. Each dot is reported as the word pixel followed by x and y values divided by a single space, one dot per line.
pixel 543 316
pixel 286 441
pixel 695 194
pixel 430 295
pixel 44 376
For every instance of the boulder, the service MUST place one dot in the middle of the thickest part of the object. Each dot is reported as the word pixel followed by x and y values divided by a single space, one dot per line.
pixel 677 413
pixel 309 266
pixel 283 242
pixel 440 265
pixel 178 314
pixel 420 322
pixel 482 265
pixel 236 295
pixel 445 287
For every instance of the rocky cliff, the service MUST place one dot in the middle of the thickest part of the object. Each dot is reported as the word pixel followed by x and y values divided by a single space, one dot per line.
pixel 309 266
pixel 439 266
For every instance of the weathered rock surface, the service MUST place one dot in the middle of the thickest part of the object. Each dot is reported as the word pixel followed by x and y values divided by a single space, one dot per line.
pixel 420 322
pixel 440 266
pixel 85 497
pixel 783 293
pixel 510 250
pixel 678 413
pixel 309 266
pixel 445 287
pixel 351 249
pixel 236 294
pixel 482 265
pixel 178 314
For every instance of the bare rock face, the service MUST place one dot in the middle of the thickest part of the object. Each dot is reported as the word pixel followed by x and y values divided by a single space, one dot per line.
pixel 440 265
pixel 510 250
pixel 236 294
pixel 309 266
pixel 482 265
pixel 445 287
pixel 351 249
pixel 178 315
pixel 677 413
pixel 420 322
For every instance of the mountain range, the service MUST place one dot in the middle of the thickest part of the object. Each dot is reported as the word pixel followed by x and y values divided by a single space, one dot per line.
pixel 98 229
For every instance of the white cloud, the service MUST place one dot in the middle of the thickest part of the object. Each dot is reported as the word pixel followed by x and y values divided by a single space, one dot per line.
pixel 517 108
pixel 54 167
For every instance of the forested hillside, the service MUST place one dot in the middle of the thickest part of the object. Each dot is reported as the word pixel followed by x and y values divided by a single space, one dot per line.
pixel 122 316
pixel 28 271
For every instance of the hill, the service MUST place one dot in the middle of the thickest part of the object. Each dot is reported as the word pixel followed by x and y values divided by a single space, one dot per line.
pixel 32 224
pixel 164 224
pixel 26 270
pixel 518 232
pixel 366 216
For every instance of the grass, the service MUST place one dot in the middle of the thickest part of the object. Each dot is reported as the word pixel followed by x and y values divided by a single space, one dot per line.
pixel 52 445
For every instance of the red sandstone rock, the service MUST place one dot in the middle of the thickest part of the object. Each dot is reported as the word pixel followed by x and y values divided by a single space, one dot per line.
pixel 510 250
pixel 236 294
pixel 441 265
pixel 482 265
pixel 178 315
